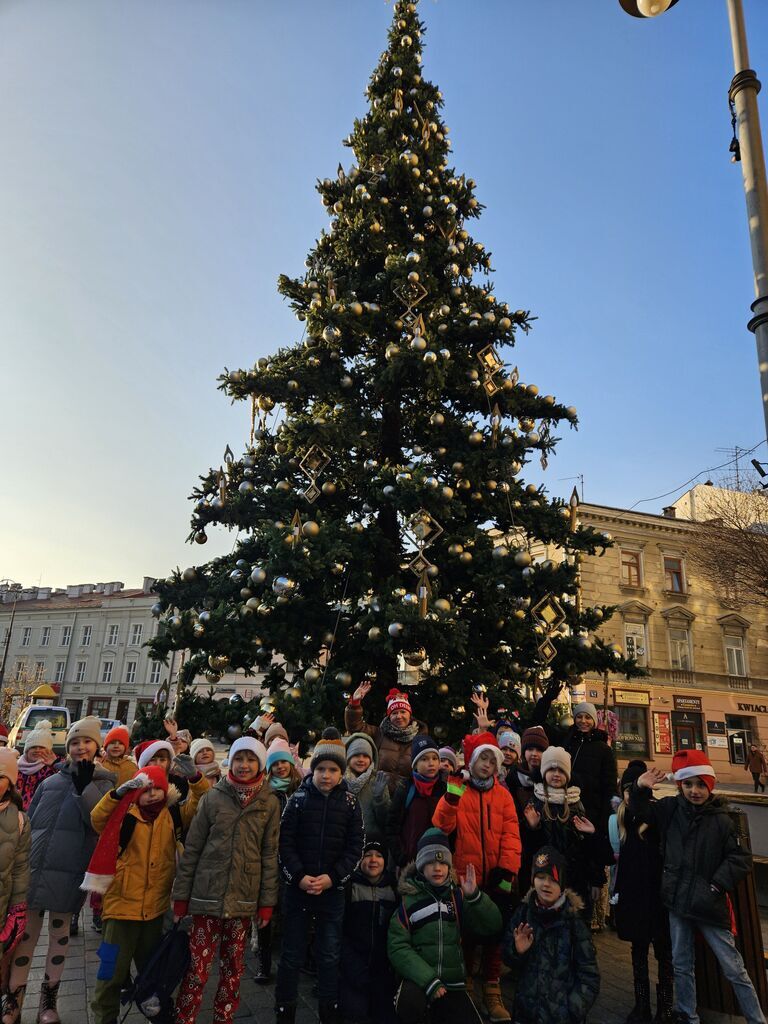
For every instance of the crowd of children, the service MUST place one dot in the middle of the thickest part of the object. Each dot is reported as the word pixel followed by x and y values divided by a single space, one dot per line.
pixel 419 871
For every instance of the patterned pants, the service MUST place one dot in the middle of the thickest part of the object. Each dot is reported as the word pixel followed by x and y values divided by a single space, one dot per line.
pixel 210 935
pixel 58 946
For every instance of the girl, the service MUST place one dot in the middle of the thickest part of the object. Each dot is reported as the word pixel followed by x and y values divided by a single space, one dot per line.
pixel 62 844
pixel 414 801
pixel 509 743
pixel 14 860
pixel 204 757
pixel 638 911
pixel 115 759
pixel 284 776
pixel 367 783
pixel 37 763
pixel 555 817
pixel 227 875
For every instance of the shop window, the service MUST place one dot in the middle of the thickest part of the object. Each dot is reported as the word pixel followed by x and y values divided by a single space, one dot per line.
pixel 631 569
pixel 636 642
pixel 99 706
pixel 632 732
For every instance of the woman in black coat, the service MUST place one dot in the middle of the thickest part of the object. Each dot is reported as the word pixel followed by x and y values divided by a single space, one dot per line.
pixel 639 913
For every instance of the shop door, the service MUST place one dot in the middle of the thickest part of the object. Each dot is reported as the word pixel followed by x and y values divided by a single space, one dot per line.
pixel 737 743
pixel 122 710
pixel 686 730
pixel 685 738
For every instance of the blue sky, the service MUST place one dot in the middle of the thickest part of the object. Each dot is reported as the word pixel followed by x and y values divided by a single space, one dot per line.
pixel 159 158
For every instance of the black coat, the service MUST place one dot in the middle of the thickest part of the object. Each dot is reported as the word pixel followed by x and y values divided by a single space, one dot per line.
pixel 320 835
pixel 638 912
pixel 367 988
pixel 701 849
pixel 582 851
pixel 593 770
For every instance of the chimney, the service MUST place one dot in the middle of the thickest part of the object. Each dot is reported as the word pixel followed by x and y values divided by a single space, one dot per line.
pixel 149 582
pixel 670 512
pixel 43 593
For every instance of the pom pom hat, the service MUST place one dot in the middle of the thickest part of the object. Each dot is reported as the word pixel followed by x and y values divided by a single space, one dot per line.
pixel 103 863
pixel 397 701
pixel 686 764
pixel 330 747
pixel 198 745
pixel 41 736
pixel 474 745
pixel 278 751
pixel 146 751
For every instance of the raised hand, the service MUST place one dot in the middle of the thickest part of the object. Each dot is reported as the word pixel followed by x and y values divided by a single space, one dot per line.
pixel 139 781
pixel 266 720
pixel 584 825
pixel 171 726
pixel 523 938
pixel 532 816
pixel 651 778
pixel 363 690
pixel 469 881
pixel 184 765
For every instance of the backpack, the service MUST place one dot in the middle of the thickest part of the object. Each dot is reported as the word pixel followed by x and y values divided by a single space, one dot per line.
pixel 152 990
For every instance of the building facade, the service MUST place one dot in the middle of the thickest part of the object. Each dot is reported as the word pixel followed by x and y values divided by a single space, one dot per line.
pixel 706 659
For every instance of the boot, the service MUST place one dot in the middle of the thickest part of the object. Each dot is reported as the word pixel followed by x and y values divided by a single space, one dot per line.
pixel 496 1010
pixel 329 1013
pixel 664 1002
pixel 263 956
pixel 285 1014
pixel 47 1014
pixel 641 1011
pixel 12 1004
pixel 73 925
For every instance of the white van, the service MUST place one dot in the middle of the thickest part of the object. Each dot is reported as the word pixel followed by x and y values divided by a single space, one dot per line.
pixel 31 716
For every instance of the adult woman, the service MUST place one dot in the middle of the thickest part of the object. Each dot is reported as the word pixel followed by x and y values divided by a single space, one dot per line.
pixel 756 764
pixel 393 736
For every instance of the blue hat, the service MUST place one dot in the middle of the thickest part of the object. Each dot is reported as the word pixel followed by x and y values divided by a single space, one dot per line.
pixel 420 746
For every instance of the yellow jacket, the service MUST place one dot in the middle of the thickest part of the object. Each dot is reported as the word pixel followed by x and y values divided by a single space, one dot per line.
pixel 123 769
pixel 141 889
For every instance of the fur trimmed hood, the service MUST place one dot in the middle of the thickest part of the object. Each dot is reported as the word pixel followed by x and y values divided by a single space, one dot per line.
pixel 408 883
pixel 574 904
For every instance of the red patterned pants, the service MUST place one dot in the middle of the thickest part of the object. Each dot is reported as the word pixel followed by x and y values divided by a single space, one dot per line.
pixel 211 936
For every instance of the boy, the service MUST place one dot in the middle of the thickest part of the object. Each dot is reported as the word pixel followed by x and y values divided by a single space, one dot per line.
pixel 414 801
pixel 550 945
pixel 321 840
pixel 424 942
pixel 181 770
pixel 482 813
pixel 449 762
pixel 703 862
pixel 367 983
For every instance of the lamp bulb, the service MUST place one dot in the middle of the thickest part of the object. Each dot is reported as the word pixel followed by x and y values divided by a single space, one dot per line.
pixel 652 8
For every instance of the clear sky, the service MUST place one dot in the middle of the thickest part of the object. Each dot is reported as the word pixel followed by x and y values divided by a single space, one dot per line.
pixel 157 172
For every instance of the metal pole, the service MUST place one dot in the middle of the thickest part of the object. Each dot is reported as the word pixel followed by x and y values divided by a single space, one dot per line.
pixel 7 644
pixel 743 93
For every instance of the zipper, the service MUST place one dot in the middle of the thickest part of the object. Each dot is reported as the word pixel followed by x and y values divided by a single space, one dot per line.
pixel 322 834
pixel 482 837
pixel 374 915
pixel 439 939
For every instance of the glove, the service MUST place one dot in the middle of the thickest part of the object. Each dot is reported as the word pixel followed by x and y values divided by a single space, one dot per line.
pixel 82 775
pixel 13 929
pixel 180 908
pixel 185 766
pixel 501 883
pixel 457 785
pixel 137 782
pixel 265 914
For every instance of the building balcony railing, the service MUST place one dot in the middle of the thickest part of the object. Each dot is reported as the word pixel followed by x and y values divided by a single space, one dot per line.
pixel 685 679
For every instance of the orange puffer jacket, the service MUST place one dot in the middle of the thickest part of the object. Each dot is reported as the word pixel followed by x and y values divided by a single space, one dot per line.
pixel 487 833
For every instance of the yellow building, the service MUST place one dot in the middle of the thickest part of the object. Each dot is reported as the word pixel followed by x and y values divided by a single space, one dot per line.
pixel 707 682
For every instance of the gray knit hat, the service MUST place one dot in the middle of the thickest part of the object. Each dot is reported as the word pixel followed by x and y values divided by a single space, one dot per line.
pixel 330 747
pixel 433 846
pixel 449 754
pixel 361 743
pixel 585 708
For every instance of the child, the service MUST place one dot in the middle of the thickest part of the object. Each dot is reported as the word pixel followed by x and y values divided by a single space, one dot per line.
pixel 37 763
pixel 227 875
pixel 639 914
pixel 509 744
pixel 132 869
pixel 182 773
pixel 284 776
pixel 424 941
pixel 116 750
pixel 482 814
pixel 15 836
pixel 703 862
pixel 520 780
pixel 321 840
pixel 549 943
pixel 555 817
pixel 449 762
pixel 368 784
pixel 62 844
pixel 203 755
pixel 414 801
pixel 367 984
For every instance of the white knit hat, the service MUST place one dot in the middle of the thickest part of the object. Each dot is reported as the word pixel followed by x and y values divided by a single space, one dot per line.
pixel 154 748
pixel 198 745
pixel 252 744
pixel 41 736
pixel 555 757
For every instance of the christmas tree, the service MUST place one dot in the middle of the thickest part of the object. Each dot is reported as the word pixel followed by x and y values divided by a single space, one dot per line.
pixel 383 520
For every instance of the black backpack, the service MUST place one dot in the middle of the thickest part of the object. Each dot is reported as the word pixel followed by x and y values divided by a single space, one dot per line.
pixel 152 991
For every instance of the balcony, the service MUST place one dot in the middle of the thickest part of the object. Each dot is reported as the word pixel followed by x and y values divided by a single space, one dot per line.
pixel 675 677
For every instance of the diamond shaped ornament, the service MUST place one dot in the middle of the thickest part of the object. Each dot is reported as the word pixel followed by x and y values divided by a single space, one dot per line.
pixel 311 493
pixel 489 359
pixel 548 612
pixel 419 564
pixel 314 462
pixel 548 651
pixel 423 529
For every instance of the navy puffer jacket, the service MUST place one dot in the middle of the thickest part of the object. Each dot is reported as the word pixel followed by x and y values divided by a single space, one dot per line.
pixel 320 835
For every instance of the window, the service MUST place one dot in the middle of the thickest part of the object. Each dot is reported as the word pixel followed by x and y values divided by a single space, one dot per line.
pixel 45 636
pixel 734 655
pixel 130 672
pixel 21 669
pixel 99 706
pixel 39 671
pixel 106 672
pixel 26 636
pixel 85 640
pixel 66 635
pixel 113 634
pixel 680 649
pixel 632 733
pixel 136 630
pixel 154 675
pixel 635 642
pixel 631 574
pixel 674 579
pixel 58 673
pixel 80 671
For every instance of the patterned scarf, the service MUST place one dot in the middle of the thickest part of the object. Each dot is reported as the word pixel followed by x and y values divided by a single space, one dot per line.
pixel 547 795
pixel 246 792
pixel 210 771
pixel 355 783
pixel 406 735
pixel 482 784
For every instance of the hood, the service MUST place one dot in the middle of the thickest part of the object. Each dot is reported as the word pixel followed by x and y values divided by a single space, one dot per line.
pixel 715 805
pixel 371 744
pixel 574 904
pixel 409 884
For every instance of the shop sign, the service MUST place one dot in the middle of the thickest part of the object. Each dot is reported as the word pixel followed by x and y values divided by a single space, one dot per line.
pixel 761 709
pixel 593 694
pixel 716 728
pixel 717 741
pixel 637 697
pixel 662 732
pixel 687 703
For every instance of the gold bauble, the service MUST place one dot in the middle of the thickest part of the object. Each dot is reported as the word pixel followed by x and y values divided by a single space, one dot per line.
pixel 465 557
pixel 442 605
pixel 374 633
pixel 442 688
pixel 310 528
pixel 312 675
pixel 455 549
pixel 265 403
pixel 476 437
pixel 328 488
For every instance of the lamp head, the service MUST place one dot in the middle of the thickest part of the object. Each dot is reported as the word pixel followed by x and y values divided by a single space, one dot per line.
pixel 646 8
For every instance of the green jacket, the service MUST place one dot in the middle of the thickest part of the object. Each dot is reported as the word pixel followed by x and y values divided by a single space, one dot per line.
pixel 229 864
pixel 424 942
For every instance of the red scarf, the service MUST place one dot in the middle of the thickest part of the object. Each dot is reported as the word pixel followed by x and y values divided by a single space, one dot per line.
pixel 424 786
pixel 246 791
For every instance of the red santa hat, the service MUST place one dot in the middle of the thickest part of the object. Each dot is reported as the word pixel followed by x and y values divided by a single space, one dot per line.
pixel 475 743
pixel 397 701
pixel 689 763
pixel 103 863
pixel 144 752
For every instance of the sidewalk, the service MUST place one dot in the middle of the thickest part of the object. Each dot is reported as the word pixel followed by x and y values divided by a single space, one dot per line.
pixel 257 1003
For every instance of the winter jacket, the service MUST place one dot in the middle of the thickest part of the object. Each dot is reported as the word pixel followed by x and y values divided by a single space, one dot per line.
pixel 15 835
pixel 320 835
pixel 62 838
pixel 394 758
pixel 373 796
pixel 582 851
pixel 424 942
pixel 366 922
pixel 26 785
pixel 557 979
pixel 756 762
pixel 410 815
pixel 638 911
pixel 487 833
pixel 229 864
pixel 700 849
pixel 123 769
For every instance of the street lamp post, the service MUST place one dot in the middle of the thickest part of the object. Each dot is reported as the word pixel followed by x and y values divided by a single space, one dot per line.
pixel 743 94
pixel 16 590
